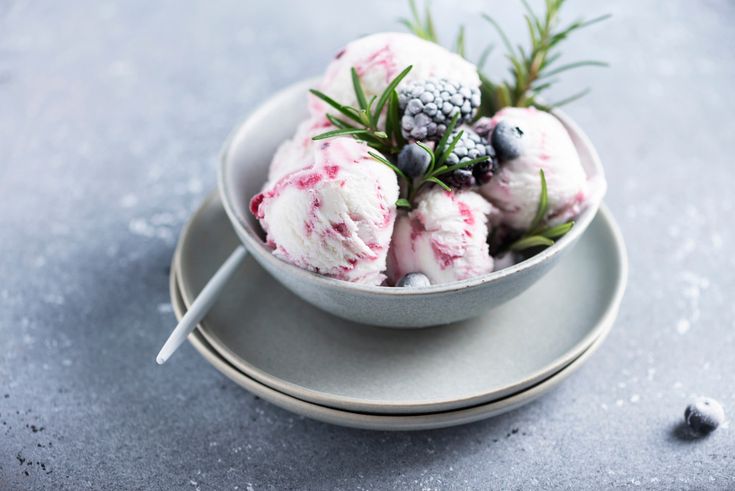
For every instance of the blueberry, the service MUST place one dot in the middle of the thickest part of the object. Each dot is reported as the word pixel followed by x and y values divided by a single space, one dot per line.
pixel 507 140
pixel 704 415
pixel 413 160
pixel 413 280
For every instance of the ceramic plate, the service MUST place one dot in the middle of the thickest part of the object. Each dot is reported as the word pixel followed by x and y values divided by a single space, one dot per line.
pixel 374 421
pixel 272 336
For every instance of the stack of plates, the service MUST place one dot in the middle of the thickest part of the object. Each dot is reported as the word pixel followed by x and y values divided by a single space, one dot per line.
pixel 304 360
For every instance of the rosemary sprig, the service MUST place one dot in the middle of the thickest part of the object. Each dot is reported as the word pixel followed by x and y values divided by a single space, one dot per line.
pixel 363 125
pixel 533 69
pixel 436 168
pixel 362 121
pixel 538 235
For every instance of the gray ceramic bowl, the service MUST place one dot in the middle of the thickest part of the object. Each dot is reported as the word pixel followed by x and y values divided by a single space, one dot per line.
pixel 243 170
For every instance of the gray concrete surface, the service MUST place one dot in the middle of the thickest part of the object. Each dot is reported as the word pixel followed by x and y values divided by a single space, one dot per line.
pixel 111 117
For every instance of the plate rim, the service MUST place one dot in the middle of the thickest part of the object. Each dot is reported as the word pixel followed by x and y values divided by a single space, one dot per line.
pixel 368 421
pixel 604 323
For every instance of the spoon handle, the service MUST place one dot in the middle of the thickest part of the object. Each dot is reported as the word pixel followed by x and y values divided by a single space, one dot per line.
pixel 201 304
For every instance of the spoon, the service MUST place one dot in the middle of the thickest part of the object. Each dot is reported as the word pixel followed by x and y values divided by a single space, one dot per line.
pixel 202 304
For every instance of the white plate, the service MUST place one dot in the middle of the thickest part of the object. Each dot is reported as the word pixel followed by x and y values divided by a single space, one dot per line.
pixel 273 337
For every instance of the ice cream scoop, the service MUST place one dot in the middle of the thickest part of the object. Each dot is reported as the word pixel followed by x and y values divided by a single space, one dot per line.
pixel 534 140
pixel 444 237
pixel 298 151
pixel 378 58
pixel 334 217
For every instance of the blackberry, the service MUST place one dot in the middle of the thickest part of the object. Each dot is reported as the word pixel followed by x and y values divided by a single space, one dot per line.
pixel 461 178
pixel 429 105
pixel 471 146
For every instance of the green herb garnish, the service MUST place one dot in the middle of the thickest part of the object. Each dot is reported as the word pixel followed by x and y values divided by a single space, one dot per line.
pixel 533 69
pixel 538 235
pixel 362 121
pixel 437 166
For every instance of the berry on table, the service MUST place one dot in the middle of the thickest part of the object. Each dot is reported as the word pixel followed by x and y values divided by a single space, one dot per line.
pixel 414 280
pixel 429 105
pixel 413 160
pixel 704 415
pixel 507 140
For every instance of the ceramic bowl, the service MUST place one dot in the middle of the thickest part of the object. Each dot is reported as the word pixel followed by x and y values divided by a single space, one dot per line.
pixel 243 170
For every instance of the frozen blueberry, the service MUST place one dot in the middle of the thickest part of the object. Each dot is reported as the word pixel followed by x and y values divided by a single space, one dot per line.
pixel 413 160
pixel 413 280
pixel 704 415
pixel 507 141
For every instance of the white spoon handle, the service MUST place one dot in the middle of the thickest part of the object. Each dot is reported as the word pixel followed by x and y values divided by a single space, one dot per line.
pixel 201 305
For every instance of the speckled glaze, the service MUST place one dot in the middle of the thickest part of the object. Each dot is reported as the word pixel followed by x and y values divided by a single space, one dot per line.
pixel 243 170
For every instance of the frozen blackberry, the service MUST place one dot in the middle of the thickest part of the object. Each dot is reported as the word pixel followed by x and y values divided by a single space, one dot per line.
pixel 429 105
pixel 460 178
pixel 471 146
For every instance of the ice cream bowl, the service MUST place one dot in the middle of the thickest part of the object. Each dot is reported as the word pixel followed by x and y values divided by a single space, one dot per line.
pixel 243 170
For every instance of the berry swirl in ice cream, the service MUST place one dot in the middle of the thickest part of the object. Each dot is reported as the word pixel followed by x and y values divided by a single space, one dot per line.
pixel 378 58
pixel 444 237
pixel 334 217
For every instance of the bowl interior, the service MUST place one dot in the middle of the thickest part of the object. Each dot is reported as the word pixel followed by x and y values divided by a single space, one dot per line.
pixel 248 152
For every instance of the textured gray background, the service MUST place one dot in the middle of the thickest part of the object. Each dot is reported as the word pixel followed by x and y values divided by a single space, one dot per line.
pixel 111 117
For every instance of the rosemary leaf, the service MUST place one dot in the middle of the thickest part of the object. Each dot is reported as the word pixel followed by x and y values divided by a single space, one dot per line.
pixel 432 162
pixel 531 241
pixel 339 107
pixel 449 149
pixel 558 230
pixel 439 149
pixel 459 43
pixel 388 91
pixel 461 165
pixel 570 66
pixel 338 122
pixel 571 98
pixel 340 132
pixel 385 161
pixel 361 100
pixel 543 205
pixel 439 183
pixel 501 33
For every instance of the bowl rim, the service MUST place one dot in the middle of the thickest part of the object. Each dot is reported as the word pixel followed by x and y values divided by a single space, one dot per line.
pixel 261 252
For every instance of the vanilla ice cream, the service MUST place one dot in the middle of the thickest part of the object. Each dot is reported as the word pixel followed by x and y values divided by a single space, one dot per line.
pixel 379 58
pixel 545 144
pixel 334 217
pixel 297 152
pixel 444 237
